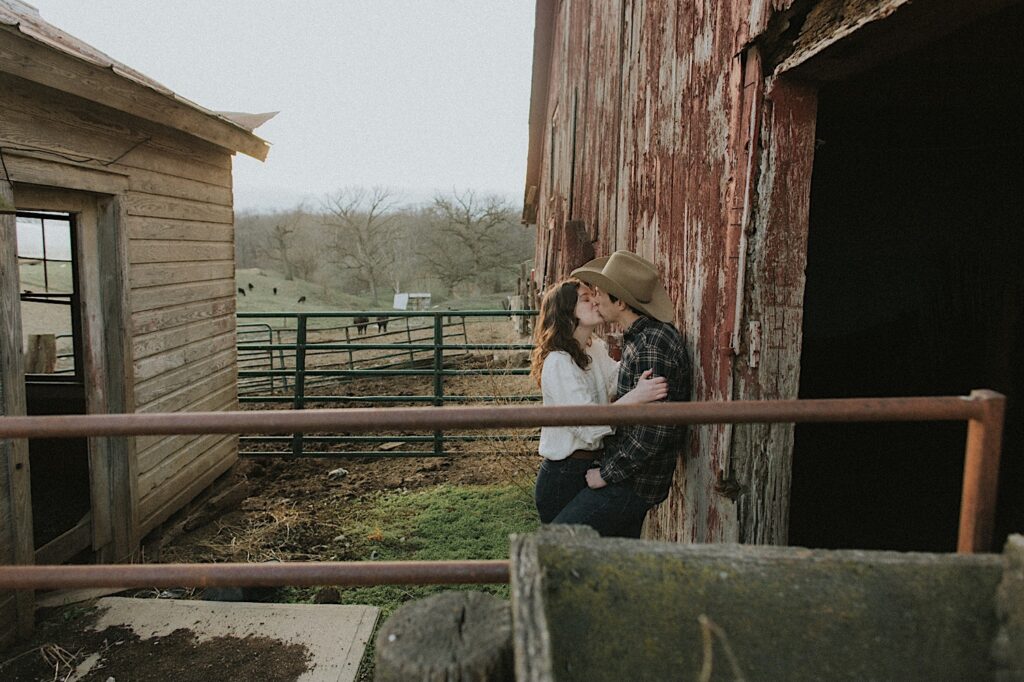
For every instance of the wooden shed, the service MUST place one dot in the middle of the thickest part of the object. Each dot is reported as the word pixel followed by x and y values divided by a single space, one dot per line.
pixel 834 194
pixel 116 220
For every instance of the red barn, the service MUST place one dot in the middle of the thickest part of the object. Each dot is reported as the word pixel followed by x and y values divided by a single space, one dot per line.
pixel 832 190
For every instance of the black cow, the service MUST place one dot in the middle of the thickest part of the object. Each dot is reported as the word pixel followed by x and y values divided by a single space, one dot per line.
pixel 302 299
pixel 251 287
pixel 382 324
pixel 241 291
pixel 275 291
pixel 361 323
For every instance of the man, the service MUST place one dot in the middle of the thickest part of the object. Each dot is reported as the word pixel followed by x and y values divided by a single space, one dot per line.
pixel 638 461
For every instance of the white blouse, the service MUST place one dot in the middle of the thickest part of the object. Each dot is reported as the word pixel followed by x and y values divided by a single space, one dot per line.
pixel 564 383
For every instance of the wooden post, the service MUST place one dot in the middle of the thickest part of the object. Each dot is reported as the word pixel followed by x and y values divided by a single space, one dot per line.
pixel 41 355
pixel 981 474
pixel 118 376
pixel 16 545
pixel 447 637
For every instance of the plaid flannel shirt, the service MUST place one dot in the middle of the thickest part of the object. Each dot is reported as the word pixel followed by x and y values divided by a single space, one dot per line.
pixel 645 456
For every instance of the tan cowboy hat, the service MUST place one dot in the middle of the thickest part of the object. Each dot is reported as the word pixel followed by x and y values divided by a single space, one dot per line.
pixel 632 279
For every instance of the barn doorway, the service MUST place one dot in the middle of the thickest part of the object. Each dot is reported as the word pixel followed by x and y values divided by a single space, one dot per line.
pixel 51 315
pixel 915 286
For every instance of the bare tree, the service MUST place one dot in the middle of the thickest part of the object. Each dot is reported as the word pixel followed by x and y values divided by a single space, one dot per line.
pixel 470 236
pixel 280 244
pixel 363 226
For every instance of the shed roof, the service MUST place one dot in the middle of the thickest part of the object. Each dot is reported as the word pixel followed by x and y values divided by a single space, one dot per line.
pixel 73 66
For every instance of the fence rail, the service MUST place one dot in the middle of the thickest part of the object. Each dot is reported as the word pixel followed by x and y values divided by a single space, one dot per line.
pixel 983 410
pixel 313 351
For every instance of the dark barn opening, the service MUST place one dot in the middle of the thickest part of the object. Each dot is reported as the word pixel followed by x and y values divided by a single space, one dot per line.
pixel 915 286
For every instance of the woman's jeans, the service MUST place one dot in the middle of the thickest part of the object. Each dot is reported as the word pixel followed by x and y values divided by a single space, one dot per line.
pixel 563 497
pixel 558 482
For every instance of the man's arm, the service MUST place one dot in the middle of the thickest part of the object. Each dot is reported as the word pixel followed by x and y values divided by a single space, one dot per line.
pixel 635 444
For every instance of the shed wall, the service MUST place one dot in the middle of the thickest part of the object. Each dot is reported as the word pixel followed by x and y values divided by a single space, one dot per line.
pixel 179 223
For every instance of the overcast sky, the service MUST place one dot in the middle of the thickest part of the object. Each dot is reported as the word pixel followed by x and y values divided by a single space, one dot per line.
pixel 419 95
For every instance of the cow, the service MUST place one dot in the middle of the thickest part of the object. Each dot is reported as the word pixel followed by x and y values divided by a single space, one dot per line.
pixel 251 287
pixel 275 291
pixel 241 291
pixel 382 324
pixel 302 299
pixel 361 323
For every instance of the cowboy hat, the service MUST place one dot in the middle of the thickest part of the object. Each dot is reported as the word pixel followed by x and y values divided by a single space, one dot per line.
pixel 630 278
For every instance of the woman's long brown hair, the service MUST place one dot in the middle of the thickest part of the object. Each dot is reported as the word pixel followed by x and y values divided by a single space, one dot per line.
pixel 555 326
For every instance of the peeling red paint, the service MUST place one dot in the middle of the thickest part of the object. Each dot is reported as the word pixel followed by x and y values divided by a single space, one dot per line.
pixel 647 142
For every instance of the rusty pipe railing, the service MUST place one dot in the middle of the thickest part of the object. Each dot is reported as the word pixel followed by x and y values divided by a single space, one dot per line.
pixel 270 574
pixel 983 410
pixel 430 418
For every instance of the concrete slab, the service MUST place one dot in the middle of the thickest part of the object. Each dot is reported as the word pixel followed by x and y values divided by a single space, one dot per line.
pixel 335 635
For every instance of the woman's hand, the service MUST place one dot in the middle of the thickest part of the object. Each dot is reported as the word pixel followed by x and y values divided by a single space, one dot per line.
pixel 647 390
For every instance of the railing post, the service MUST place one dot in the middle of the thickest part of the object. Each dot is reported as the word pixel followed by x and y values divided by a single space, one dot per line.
pixel 981 473
pixel 281 359
pixel 300 378
pixel 348 339
pixel 408 335
pixel 270 354
pixel 438 377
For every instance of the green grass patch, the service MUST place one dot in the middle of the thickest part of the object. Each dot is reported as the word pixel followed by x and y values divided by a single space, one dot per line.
pixel 441 523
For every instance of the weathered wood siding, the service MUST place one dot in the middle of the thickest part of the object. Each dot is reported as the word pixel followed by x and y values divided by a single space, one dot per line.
pixel 656 90
pixel 179 220
pixel 684 131
pixel 16 608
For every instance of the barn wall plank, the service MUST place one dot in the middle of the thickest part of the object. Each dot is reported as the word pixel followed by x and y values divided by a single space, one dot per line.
pixel 156 365
pixel 189 482
pixel 151 390
pixel 177 251
pixel 154 449
pixel 159 206
pixel 152 298
pixel 152 182
pixel 148 321
pixel 191 393
pixel 159 342
pixel 154 274
pixel 159 473
pixel 170 229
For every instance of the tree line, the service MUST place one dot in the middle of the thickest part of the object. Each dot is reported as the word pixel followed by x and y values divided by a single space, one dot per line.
pixel 365 241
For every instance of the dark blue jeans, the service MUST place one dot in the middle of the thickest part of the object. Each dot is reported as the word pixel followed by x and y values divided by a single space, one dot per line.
pixel 613 511
pixel 558 482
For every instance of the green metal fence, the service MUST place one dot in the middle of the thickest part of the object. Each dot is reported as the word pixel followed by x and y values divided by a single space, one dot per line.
pixel 282 355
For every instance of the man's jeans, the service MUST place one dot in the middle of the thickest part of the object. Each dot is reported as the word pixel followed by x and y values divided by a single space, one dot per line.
pixel 613 511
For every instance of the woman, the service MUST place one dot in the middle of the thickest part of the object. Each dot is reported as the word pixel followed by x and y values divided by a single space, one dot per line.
pixel 572 367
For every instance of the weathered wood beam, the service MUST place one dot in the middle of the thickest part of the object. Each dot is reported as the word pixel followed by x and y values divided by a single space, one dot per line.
pixel 15 493
pixel 34 61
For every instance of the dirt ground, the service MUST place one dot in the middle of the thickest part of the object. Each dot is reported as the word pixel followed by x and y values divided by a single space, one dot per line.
pixel 270 509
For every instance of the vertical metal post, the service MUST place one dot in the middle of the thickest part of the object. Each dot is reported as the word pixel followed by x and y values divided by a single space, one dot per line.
pixel 438 377
pixel 300 378
pixel 280 357
pixel 348 339
pixel 270 354
pixel 981 474
pixel 408 335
